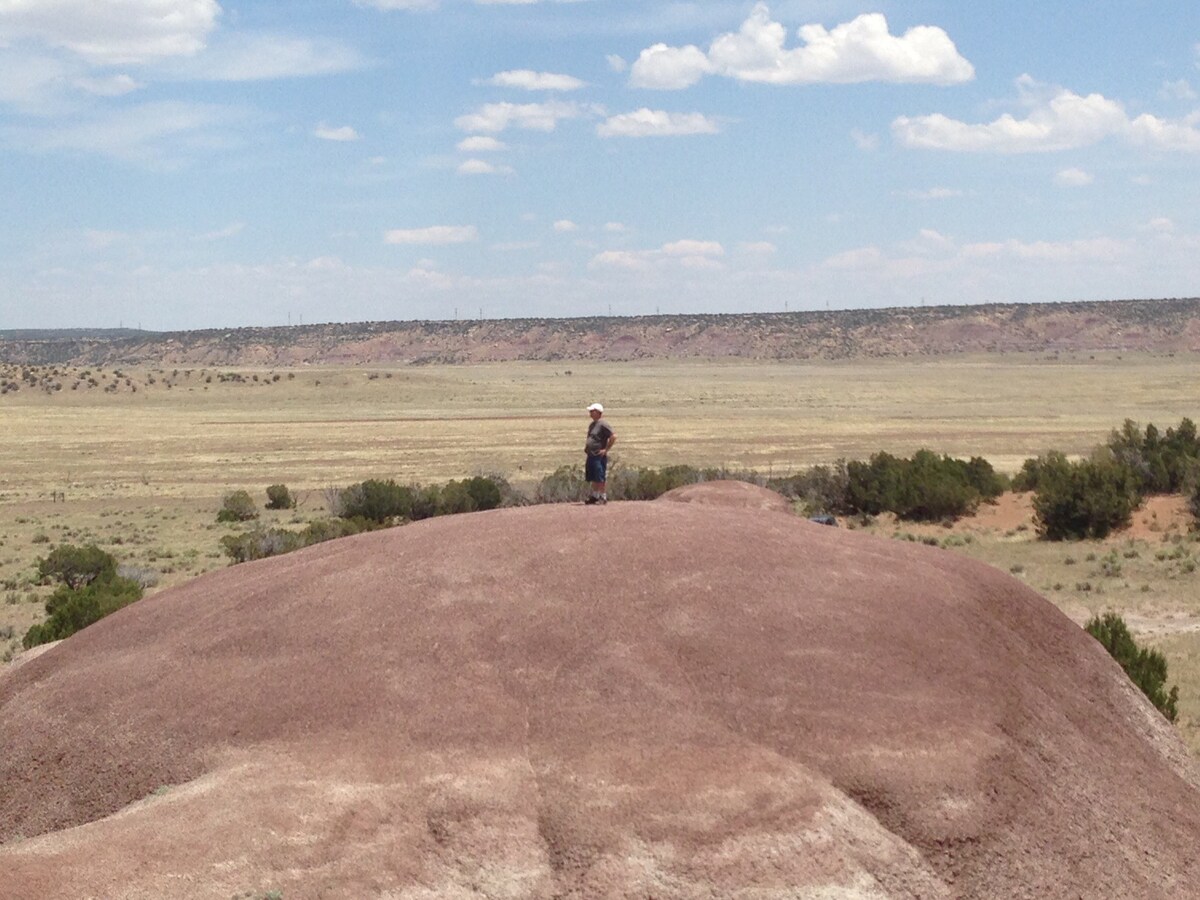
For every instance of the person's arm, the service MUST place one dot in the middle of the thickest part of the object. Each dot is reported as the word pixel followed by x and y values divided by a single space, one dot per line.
pixel 612 439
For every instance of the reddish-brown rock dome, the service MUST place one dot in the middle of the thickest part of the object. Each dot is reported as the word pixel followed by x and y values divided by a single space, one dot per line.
pixel 675 700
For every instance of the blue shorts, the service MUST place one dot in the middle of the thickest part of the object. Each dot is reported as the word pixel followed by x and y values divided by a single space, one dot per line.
pixel 596 469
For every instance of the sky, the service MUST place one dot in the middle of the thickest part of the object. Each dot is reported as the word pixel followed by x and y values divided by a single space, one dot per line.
pixel 182 164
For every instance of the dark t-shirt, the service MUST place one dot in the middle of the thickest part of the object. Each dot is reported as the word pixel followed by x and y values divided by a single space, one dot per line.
pixel 597 437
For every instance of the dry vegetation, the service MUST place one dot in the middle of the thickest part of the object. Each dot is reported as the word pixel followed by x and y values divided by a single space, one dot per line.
pixel 137 460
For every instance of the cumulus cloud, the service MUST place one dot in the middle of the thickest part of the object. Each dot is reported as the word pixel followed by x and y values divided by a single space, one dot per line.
pixel 616 63
pixel 528 80
pixel 343 133
pixel 435 234
pixel 687 253
pixel 564 226
pixel 656 123
pixel 1073 178
pixel 482 167
pixel 112 33
pixel 857 51
pixel 481 144
pixel 1058 119
pixel 497 117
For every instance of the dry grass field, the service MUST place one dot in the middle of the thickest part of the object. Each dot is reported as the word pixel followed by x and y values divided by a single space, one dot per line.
pixel 137 461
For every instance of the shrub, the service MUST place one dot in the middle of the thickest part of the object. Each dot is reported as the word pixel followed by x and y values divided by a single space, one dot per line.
pixel 1145 668
pixel 563 485
pixel 279 497
pixel 650 484
pixel 377 501
pixel 237 507
pixel 89 590
pixel 822 489
pixel 76 567
pixel 1087 499
pixel 262 543
pixel 1162 464
pixel 925 488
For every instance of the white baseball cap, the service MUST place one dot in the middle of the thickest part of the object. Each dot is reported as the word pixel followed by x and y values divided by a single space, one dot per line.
pixel 597 407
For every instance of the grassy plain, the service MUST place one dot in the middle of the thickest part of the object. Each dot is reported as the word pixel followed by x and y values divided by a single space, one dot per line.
pixel 139 461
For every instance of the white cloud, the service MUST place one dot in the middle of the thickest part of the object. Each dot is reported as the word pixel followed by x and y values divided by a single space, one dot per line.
pixel 1073 178
pixel 616 63
pixel 343 133
pixel 864 141
pixel 1178 90
pixel 564 226
pixel 934 193
pixel 108 86
pixel 480 144
pixel 615 227
pixel 482 167
pixel 116 32
pixel 1150 131
pixel 264 57
pixel 231 230
pixel 857 51
pixel 670 68
pixel 388 5
pixel 1063 120
pixel 528 80
pixel 693 248
pixel 157 134
pixel 687 253
pixel 496 117
pixel 436 234
pixel 656 123
pixel 757 248
pixel 1160 225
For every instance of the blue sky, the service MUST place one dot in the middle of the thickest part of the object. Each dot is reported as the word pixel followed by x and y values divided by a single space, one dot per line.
pixel 193 163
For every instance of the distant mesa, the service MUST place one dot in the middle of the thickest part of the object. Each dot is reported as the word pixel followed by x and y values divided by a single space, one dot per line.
pixel 1159 326
pixel 668 699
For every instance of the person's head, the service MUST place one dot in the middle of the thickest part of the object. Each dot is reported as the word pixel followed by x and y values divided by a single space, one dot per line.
pixel 595 411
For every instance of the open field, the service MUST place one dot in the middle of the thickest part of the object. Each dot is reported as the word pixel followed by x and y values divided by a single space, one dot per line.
pixel 141 459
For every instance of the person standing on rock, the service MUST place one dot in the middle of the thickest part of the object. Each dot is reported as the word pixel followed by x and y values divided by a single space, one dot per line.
pixel 600 439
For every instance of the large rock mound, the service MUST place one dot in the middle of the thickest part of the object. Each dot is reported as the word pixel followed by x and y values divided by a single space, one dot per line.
pixel 729 494
pixel 660 699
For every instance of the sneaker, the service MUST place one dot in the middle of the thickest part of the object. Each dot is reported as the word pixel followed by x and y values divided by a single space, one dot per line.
pixel 591 500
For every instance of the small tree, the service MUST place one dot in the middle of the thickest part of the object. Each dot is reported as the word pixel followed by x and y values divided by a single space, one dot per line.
pixel 237 507
pixel 1145 668
pixel 89 590
pixel 76 567
pixel 279 497
pixel 1087 499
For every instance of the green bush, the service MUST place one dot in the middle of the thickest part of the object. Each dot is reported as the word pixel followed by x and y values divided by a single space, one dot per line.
pixel 1030 475
pixel 927 487
pixel 237 507
pixel 650 484
pixel 564 485
pixel 76 567
pixel 89 590
pixel 1086 499
pixel 1145 668
pixel 377 501
pixel 279 497
pixel 1162 463
pixel 822 489
pixel 262 543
